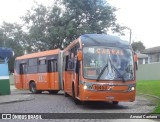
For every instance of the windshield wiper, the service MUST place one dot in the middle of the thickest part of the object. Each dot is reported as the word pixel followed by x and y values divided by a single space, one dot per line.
pixel 121 76
pixel 128 71
pixel 100 74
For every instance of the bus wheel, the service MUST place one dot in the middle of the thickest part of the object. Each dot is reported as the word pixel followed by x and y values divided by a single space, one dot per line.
pixel 53 91
pixel 76 101
pixel 65 94
pixel 115 102
pixel 32 88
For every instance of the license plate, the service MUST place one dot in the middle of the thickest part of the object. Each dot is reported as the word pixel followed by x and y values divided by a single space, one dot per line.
pixel 100 87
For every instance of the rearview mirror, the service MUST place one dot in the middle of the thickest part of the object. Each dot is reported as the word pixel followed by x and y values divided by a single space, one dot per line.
pixel 79 55
pixel 136 60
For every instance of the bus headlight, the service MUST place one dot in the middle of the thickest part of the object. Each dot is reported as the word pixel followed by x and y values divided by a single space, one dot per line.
pixel 87 86
pixel 132 88
pixel 84 87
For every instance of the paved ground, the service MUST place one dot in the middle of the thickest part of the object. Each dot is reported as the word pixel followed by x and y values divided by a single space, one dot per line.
pixel 25 102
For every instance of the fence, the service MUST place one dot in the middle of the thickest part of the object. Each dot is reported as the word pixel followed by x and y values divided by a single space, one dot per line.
pixel 148 72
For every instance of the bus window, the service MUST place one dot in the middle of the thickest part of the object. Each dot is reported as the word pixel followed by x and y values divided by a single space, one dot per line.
pixel 32 65
pixel 52 65
pixel 66 62
pixel 71 60
pixel 72 56
pixel 42 66
pixel 23 68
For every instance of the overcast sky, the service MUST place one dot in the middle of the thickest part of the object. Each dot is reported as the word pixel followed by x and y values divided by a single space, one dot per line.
pixel 142 16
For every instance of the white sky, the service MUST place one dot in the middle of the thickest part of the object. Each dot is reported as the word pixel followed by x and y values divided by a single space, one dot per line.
pixel 142 16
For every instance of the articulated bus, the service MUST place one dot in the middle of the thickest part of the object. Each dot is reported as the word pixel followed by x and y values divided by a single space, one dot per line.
pixel 94 67
pixel 99 67
pixel 38 71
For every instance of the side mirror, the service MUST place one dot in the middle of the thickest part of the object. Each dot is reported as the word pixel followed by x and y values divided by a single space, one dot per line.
pixel 79 55
pixel 136 60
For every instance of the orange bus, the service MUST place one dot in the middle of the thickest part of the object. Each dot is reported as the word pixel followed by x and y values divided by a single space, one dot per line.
pixel 99 67
pixel 38 71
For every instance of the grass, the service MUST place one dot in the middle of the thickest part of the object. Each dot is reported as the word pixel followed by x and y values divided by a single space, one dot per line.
pixel 152 88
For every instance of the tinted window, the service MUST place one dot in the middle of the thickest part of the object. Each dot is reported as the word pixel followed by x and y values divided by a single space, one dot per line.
pixel 42 66
pixel 32 62
pixel 52 65
pixel 32 65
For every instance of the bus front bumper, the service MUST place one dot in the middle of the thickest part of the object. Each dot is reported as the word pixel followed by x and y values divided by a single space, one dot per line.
pixel 113 93
pixel 107 96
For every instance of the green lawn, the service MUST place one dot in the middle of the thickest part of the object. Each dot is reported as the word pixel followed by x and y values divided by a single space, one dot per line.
pixel 152 88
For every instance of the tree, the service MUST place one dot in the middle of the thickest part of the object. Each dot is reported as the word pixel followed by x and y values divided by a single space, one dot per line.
pixel 57 26
pixel 138 46
pixel 12 36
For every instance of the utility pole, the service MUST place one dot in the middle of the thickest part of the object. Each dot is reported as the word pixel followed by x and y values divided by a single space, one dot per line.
pixel 130 34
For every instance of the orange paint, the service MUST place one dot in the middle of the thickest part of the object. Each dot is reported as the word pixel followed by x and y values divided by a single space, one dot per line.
pixel 45 80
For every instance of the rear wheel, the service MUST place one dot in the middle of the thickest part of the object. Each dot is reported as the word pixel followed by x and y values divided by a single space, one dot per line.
pixel 33 89
pixel 53 91
pixel 115 102
pixel 65 94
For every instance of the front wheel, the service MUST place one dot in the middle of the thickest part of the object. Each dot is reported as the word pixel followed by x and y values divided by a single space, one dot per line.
pixel 115 102
pixel 65 94
pixel 53 91
pixel 33 89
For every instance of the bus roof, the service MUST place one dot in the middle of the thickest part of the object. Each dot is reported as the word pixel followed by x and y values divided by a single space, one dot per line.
pixel 103 40
pixel 39 54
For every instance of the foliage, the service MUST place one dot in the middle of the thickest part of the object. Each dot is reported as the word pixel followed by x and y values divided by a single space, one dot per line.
pixel 53 27
pixel 57 26
pixel 152 88
pixel 138 46
pixel 11 36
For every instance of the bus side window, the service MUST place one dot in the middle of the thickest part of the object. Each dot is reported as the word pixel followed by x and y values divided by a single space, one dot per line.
pixel 52 65
pixel 32 65
pixel 23 68
pixel 66 62
pixel 71 59
pixel 42 66
pixel 55 66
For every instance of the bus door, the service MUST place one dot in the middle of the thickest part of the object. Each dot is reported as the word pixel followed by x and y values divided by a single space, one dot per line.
pixel 23 71
pixel 77 75
pixel 53 74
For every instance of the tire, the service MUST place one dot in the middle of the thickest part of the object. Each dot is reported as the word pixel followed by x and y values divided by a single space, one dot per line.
pixel 53 91
pixel 65 94
pixel 33 89
pixel 115 102
pixel 76 101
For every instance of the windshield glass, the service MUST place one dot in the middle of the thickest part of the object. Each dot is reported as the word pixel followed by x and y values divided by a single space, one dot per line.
pixel 109 63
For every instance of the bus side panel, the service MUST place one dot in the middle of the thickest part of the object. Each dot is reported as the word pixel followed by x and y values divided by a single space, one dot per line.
pixel 17 81
pixel 53 81
pixel 56 81
pixel 42 82
pixel 76 85
pixel 68 82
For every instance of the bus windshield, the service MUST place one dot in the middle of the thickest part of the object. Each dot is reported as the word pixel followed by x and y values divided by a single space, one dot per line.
pixel 109 63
